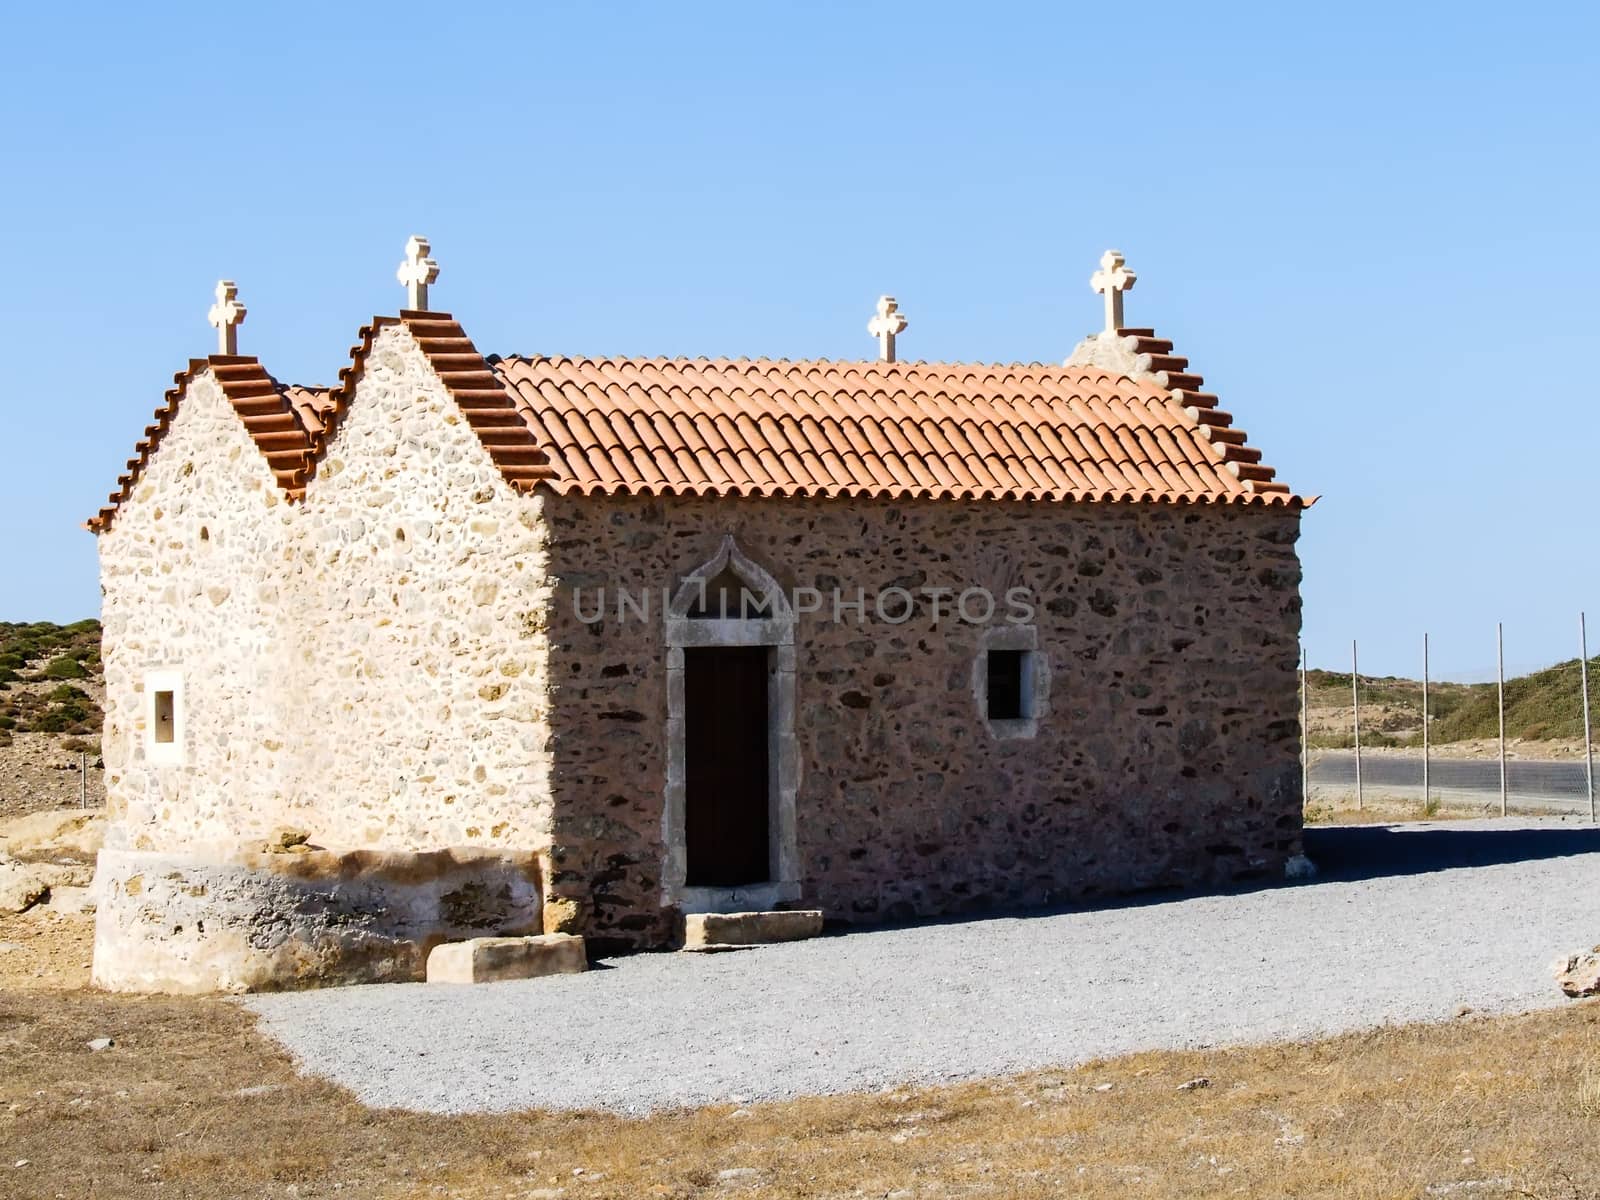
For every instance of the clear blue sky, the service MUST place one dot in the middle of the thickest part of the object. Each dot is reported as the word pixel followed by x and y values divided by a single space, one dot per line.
pixel 1373 231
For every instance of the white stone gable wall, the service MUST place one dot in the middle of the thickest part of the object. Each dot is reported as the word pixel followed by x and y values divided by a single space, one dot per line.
pixel 418 588
pixel 368 665
pixel 187 572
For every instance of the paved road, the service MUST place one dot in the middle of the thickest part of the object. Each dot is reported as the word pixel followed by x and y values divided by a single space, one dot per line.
pixel 1532 784
pixel 1405 923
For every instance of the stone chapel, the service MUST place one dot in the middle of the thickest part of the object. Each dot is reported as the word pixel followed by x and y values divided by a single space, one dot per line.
pixel 466 645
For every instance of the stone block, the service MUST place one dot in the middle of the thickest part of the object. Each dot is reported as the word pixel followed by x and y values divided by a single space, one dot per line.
pixel 704 930
pixel 72 899
pixel 486 960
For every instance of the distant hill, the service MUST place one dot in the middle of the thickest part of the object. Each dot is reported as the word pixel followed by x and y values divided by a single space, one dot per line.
pixel 1547 704
pixel 1544 706
pixel 50 678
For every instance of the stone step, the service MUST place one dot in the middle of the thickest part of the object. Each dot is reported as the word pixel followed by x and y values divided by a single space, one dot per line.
pixel 490 959
pixel 715 931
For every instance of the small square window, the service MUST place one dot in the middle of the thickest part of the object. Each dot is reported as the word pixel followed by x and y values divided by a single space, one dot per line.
pixel 164 712
pixel 163 706
pixel 1008 677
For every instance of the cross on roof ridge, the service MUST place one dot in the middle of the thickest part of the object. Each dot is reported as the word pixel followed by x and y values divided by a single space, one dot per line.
pixel 1113 278
pixel 886 325
pixel 226 315
pixel 417 272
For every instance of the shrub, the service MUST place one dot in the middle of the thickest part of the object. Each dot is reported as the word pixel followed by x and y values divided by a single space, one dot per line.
pixel 64 668
pixel 51 721
pixel 7 675
pixel 8 722
pixel 78 745
pixel 67 692
pixel 60 718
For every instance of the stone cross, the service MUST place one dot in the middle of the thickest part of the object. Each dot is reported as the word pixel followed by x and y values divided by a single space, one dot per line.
pixel 889 322
pixel 1113 278
pixel 226 315
pixel 417 272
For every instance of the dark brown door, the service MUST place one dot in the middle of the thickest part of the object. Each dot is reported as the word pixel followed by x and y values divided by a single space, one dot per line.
pixel 725 765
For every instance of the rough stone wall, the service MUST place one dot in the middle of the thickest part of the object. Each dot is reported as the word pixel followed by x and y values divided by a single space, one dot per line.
pixel 368 665
pixel 417 588
pixel 1169 754
pixel 186 575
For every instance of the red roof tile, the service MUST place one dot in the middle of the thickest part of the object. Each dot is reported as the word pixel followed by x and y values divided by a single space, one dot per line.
pixel 758 427
pixel 493 414
pixel 761 427
pixel 272 420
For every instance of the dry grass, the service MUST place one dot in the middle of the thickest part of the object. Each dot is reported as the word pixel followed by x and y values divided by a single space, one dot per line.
pixel 192 1102
pixel 1390 810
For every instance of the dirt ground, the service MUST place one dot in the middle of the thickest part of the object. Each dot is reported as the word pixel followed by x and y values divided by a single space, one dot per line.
pixel 45 949
pixel 190 1101
pixel 41 771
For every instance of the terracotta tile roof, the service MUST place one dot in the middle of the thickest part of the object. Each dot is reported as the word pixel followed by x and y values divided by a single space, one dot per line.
pixel 762 427
pixel 759 427
pixel 268 415
pixel 311 405
pixel 291 425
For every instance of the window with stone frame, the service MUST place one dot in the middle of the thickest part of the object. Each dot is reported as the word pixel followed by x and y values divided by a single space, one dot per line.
pixel 164 718
pixel 1011 681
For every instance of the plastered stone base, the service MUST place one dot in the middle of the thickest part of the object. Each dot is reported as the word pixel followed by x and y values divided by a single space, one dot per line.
pixel 489 960
pixel 701 930
pixel 250 921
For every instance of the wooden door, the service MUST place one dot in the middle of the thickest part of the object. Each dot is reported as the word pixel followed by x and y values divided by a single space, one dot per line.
pixel 725 765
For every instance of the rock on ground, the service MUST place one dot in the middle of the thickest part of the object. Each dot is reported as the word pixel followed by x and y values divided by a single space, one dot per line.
pixel 65 835
pixel 22 885
pixel 1579 974
pixel 49 853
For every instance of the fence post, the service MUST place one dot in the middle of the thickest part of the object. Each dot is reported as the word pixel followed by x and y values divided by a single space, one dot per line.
pixel 1355 720
pixel 83 780
pixel 1425 793
pixel 1588 746
pixel 1305 745
pixel 1500 675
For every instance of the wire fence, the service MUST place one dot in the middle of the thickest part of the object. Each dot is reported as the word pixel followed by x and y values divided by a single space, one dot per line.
pixel 1423 746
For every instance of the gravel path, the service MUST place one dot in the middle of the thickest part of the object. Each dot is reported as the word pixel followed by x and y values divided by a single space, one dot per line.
pixel 1407 923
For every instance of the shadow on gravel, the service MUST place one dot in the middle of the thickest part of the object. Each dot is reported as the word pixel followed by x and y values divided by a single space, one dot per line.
pixel 1342 853
pixel 1374 851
